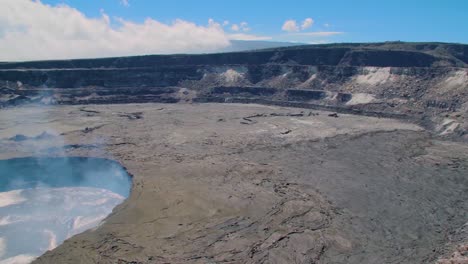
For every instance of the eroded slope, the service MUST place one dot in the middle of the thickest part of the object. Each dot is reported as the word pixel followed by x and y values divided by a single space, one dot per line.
pixel 424 82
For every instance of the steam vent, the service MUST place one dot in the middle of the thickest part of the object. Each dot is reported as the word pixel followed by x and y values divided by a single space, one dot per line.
pixel 332 153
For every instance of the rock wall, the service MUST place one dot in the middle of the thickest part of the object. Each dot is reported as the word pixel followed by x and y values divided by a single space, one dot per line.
pixel 425 81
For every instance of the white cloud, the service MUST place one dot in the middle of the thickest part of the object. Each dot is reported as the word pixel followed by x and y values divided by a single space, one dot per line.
pixel 243 36
pixel 244 26
pixel 318 33
pixel 31 30
pixel 318 42
pixel 225 23
pixel 235 27
pixel 124 2
pixel 290 26
pixel 326 25
pixel 307 23
pixel 293 29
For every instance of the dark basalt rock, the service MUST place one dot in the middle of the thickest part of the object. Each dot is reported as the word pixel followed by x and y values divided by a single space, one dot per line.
pixel 263 91
pixel 303 95
pixel 344 97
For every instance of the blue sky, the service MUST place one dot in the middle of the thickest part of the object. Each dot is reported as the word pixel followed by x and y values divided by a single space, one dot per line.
pixel 65 29
pixel 359 20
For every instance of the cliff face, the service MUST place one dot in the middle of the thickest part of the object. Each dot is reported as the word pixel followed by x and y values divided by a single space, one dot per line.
pixel 426 82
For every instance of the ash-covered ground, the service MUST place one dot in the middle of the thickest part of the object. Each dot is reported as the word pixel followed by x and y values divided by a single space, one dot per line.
pixel 234 183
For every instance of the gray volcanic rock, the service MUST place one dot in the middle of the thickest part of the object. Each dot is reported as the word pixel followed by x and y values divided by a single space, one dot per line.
pixel 424 82
pixel 347 159
pixel 210 186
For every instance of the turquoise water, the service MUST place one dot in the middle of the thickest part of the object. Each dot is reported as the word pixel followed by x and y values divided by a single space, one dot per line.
pixel 44 201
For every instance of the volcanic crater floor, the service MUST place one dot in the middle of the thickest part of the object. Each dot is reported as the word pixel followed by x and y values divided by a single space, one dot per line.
pixel 232 183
